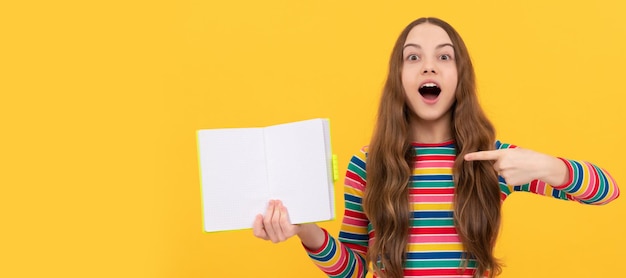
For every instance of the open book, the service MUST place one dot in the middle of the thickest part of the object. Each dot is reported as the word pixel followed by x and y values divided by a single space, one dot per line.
pixel 241 169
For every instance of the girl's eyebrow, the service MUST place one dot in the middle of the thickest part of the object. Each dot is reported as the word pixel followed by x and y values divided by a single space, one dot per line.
pixel 420 47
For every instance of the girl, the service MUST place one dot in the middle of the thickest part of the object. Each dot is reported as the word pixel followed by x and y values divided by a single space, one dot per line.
pixel 428 202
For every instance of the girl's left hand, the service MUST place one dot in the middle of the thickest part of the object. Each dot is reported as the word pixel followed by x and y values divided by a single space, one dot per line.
pixel 275 225
pixel 520 166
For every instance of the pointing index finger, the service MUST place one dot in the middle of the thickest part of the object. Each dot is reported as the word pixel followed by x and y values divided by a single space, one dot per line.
pixel 483 155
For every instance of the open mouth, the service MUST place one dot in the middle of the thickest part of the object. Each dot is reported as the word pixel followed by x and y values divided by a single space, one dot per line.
pixel 430 91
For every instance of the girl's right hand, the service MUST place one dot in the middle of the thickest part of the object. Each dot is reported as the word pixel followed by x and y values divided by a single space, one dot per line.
pixel 275 225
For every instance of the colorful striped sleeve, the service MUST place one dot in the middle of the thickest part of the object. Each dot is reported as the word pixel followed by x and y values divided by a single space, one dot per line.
pixel 588 183
pixel 345 256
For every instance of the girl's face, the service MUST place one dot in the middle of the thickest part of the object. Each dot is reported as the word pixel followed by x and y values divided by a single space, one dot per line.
pixel 429 74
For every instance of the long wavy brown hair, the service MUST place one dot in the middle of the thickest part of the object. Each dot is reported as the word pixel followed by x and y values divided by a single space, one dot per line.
pixel 389 167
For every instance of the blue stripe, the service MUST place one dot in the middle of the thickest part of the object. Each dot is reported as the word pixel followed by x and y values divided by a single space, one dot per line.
pixel 560 194
pixel 577 180
pixel 432 214
pixel 501 179
pixel 498 144
pixel 346 235
pixel 352 198
pixel 434 255
pixel 431 178
pixel 522 187
pixel 330 254
pixel 555 193
pixel 358 162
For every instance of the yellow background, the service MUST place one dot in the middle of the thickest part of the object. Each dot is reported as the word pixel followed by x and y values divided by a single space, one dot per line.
pixel 100 101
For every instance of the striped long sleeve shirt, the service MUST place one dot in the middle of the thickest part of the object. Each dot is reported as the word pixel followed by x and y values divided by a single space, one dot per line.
pixel 434 248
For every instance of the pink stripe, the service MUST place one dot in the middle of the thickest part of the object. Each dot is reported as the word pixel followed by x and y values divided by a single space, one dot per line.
pixel 592 185
pixel 354 221
pixel 434 164
pixel 338 260
pixel 541 188
pixel 354 184
pixel 432 198
pixel 434 239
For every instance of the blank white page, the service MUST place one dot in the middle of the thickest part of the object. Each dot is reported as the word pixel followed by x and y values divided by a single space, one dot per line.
pixel 299 169
pixel 233 177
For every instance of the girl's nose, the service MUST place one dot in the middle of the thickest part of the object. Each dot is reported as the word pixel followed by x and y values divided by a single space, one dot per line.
pixel 428 67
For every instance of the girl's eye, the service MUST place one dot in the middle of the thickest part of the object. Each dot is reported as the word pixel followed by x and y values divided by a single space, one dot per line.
pixel 412 57
pixel 445 57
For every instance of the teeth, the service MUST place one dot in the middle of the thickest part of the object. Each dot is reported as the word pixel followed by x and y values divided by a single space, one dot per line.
pixel 429 85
